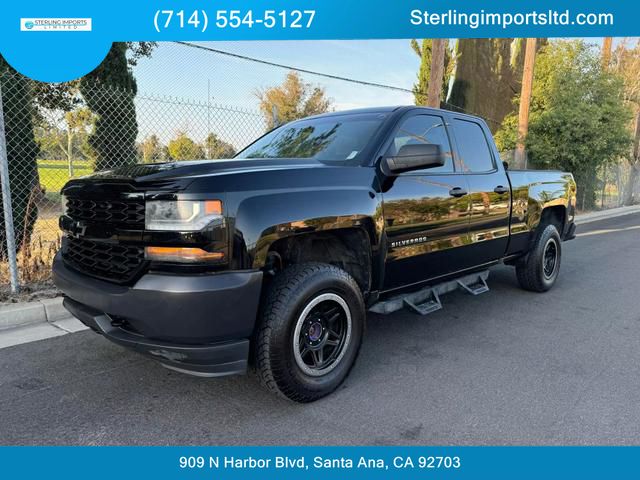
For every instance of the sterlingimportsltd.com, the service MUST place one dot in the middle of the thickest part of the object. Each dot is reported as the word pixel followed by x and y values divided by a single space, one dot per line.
pixel 474 20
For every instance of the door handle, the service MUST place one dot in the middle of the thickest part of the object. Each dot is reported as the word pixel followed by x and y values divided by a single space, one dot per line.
pixel 457 192
pixel 500 189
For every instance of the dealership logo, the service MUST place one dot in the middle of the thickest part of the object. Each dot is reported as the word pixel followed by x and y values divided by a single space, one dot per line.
pixel 55 24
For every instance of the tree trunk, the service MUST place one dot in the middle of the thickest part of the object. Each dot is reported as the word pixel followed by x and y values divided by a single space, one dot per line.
pixel 438 47
pixel 619 187
pixel 525 101
pixel 606 52
pixel 603 192
pixel 70 152
pixel 635 164
pixel 488 76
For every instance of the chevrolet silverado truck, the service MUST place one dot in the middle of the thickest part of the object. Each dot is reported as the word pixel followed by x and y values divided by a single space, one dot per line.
pixel 273 258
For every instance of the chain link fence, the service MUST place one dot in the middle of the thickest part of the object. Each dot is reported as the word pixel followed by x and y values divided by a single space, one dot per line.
pixel 46 147
pixel 49 142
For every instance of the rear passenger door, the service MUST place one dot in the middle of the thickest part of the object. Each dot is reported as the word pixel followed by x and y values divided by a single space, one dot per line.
pixel 489 189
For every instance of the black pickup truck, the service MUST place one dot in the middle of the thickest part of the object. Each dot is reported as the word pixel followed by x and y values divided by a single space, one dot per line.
pixel 273 258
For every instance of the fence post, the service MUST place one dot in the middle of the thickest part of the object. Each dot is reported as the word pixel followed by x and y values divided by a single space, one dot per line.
pixel 274 115
pixel 6 203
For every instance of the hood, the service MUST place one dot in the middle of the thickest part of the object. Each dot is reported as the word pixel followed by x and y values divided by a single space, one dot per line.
pixel 180 174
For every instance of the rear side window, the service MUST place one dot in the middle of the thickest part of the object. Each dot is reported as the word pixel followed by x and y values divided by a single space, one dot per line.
pixel 424 129
pixel 475 155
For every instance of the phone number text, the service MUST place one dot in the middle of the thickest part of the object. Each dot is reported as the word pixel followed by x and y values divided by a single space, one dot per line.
pixel 200 20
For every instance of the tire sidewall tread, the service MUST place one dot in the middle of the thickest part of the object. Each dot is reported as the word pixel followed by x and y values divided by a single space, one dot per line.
pixel 282 303
pixel 530 271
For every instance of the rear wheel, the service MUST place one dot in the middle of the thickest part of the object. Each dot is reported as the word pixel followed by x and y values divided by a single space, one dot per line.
pixel 311 327
pixel 538 271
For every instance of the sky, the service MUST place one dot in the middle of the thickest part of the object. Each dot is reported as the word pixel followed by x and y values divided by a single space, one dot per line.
pixel 187 72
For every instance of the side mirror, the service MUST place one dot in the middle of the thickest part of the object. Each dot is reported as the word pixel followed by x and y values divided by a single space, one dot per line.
pixel 415 157
pixel 505 164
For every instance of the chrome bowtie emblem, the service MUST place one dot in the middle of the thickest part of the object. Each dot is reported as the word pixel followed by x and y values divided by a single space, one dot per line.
pixel 77 229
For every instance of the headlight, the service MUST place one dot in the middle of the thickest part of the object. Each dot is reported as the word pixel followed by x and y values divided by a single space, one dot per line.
pixel 63 204
pixel 182 215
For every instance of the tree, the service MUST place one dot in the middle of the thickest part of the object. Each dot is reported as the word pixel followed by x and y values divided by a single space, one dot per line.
pixel 183 148
pixel 57 96
pixel 423 50
pixel 78 124
pixel 109 91
pixel 434 93
pixel 70 142
pixel 607 42
pixel 151 149
pixel 64 96
pixel 217 148
pixel 138 50
pixel 578 120
pixel 292 100
pixel 22 151
pixel 487 77
pixel 626 63
pixel 525 101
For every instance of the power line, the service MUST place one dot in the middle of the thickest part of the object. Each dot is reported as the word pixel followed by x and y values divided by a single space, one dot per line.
pixel 321 74
pixel 297 69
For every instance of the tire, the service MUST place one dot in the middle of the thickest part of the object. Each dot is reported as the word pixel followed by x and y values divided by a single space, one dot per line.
pixel 296 324
pixel 538 270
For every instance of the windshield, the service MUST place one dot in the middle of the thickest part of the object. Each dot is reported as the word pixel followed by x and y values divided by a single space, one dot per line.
pixel 332 138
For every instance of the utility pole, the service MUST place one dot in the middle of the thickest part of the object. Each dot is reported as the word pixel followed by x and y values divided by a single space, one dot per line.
pixel 208 146
pixel 525 101
pixel 606 52
pixel 438 47
pixel 6 204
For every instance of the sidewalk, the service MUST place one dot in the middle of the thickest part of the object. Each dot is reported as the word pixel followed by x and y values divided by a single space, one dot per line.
pixel 603 214
pixel 32 321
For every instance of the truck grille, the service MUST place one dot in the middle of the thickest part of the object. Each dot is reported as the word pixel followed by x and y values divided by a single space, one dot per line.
pixel 108 261
pixel 127 213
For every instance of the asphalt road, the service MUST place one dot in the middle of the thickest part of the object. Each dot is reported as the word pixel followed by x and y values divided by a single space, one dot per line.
pixel 507 367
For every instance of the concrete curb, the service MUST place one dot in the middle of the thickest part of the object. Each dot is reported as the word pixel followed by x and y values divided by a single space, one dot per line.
pixel 20 314
pixel 32 321
pixel 605 214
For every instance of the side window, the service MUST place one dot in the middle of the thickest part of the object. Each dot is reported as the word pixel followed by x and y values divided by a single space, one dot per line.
pixel 424 129
pixel 475 155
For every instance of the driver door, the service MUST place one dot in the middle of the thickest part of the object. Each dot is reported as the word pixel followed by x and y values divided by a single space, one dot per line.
pixel 426 212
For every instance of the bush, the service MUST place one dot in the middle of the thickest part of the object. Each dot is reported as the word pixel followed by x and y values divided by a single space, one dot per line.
pixel 578 120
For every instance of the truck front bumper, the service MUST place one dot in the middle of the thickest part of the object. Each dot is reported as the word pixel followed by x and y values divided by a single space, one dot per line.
pixel 198 324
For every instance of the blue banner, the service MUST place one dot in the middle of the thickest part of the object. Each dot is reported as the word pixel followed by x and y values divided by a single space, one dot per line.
pixel 58 41
pixel 329 463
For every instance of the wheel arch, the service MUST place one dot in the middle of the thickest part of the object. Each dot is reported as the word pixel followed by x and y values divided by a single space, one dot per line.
pixel 347 248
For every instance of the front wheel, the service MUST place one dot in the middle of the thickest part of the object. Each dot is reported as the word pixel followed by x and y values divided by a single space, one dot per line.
pixel 538 271
pixel 311 327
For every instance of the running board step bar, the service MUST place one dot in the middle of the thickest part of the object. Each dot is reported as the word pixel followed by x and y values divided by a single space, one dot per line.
pixel 475 288
pixel 427 300
pixel 431 305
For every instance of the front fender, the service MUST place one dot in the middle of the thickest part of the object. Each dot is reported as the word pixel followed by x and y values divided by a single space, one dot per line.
pixel 262 219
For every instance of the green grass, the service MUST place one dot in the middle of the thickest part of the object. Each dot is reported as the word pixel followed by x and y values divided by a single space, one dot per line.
pixel 55 173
